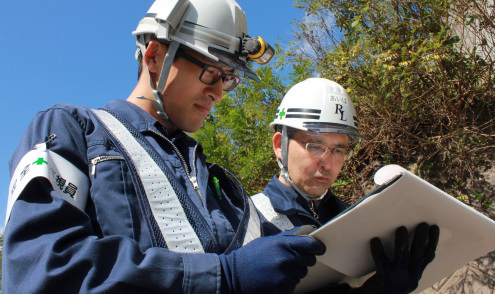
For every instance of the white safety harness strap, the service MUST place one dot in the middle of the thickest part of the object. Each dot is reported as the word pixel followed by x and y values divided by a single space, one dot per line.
pixel 73 186
pixel 165 206
pixel 264 205
pixel 254 224
pixel 67 180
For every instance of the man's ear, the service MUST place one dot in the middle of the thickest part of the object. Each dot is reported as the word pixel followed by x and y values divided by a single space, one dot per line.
pixel 154 55
pixel 277 144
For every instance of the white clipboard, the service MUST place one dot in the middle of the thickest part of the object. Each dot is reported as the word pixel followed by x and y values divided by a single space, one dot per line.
pixel 401 198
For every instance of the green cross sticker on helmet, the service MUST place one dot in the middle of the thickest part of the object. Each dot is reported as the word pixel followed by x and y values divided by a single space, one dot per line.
pixel 318 105
pixel 315 105
pixel 40 161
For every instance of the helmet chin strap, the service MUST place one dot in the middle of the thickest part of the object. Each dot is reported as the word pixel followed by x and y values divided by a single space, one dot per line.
pixel 162 80
pixel 285 171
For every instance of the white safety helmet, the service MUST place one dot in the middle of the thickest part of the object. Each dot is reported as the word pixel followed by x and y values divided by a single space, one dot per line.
pixel 320 106
pixel 215 28
pixel 314 105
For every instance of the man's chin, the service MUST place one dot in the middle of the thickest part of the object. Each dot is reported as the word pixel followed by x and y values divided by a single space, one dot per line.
pixel 192 128
pixel 317 193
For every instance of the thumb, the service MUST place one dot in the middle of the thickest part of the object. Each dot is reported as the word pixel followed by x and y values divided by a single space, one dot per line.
pixel 314 247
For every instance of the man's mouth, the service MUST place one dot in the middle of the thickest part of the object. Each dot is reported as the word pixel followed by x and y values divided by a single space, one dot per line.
pixel 204 109
pixel 322 178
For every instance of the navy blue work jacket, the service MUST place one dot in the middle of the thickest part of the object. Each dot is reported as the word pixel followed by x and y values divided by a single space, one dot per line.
pixel 51 246
pixel 287 201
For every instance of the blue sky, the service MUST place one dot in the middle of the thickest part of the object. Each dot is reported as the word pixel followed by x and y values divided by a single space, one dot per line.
pixel 82 52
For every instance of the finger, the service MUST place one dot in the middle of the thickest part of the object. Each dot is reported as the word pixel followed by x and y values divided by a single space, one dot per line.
pixel 377 250
pixel 419 243
pixel 378 254
pixel 401 244
pixel 305 231
pixel 307 245
pixel 317 251
pixel 434 235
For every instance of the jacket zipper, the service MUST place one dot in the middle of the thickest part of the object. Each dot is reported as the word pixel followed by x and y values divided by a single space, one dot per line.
pixel 307 215
pixel 191 176
pixel 98 159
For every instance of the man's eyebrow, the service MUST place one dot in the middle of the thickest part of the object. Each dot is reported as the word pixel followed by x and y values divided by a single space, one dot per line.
pixel 229 70
pixel 222 66
pixel 344 145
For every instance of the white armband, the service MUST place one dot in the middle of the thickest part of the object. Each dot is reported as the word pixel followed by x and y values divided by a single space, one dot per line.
pixel 66 179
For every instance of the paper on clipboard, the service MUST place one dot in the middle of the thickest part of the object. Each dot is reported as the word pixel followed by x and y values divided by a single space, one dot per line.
pixel 402 199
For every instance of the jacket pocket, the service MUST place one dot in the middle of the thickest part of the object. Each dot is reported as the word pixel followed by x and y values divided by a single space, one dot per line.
pixel 99 159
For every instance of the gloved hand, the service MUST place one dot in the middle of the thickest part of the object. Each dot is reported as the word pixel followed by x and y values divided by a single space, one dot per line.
pixel 402 274
pixel 273 264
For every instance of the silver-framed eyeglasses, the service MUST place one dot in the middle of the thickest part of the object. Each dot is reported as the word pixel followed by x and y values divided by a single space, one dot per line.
pixel 212 74
pixel 319 150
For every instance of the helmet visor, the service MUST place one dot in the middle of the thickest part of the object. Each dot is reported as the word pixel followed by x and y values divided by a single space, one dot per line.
pixel 225 48
pixel 234 61
pixel 331 128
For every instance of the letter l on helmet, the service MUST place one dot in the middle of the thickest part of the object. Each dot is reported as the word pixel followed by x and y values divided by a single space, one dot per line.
pixel 314 105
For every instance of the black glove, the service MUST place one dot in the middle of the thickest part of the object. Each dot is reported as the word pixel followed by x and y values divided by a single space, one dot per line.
pixel 272 264
pixel 403 273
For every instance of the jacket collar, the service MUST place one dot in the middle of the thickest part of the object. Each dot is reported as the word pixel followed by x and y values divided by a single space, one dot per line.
pixel 140 119
pixel 287 201
pixel 284 199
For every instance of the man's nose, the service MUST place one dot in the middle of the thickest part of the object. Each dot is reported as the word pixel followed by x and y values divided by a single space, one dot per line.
pixel 326 161
pixel 216 92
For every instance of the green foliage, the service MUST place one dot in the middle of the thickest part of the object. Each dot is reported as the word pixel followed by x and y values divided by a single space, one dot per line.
pixel 424 95
pixel 423 100
pixel 486 203
pixel 237 135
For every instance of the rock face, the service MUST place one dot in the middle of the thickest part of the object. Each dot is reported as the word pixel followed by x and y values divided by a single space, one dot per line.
pixel 477 277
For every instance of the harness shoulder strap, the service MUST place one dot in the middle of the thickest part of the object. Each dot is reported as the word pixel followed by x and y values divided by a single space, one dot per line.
pixel 254 224
pixel 263 204
pixel 165 206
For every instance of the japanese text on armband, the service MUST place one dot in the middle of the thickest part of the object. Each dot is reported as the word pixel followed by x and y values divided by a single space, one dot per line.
pixel 66 179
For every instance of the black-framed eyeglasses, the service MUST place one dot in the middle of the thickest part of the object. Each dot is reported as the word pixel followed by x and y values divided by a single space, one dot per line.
pixel 212 74
pixel 319 150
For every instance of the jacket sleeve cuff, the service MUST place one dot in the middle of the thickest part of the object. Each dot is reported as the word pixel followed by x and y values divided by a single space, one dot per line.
pixel 202 273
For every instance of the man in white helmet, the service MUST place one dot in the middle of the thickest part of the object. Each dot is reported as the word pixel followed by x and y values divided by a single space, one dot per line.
pixel 314 126
pixel 121 200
